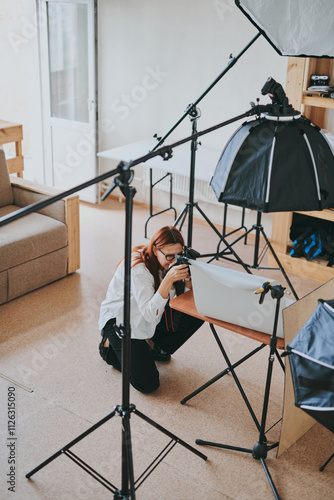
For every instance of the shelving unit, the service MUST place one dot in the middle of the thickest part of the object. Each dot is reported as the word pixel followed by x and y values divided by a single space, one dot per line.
pixel 313 107
pixel 12 132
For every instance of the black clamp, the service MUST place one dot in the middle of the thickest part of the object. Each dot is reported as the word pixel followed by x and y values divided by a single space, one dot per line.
pixel 277 291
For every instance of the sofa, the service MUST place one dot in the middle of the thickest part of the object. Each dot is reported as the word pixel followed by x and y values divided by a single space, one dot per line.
pixel 38 248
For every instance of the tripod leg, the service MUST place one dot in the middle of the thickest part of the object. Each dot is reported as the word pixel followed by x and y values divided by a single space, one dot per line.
pixel 223 239
pixel 182 216
pixel 327 462
pixel 224 446
pixel 272 485
pixel 72 443
pixel 243 224
pixel 221 374
pixel 228 362
pixel 280 360
pixel 169 434
pixel 257 240
pixel 278 263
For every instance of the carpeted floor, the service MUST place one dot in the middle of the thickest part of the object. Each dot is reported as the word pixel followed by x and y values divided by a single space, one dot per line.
pixel 49 343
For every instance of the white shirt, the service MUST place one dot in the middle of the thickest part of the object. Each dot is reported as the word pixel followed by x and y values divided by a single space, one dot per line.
pixel 146 305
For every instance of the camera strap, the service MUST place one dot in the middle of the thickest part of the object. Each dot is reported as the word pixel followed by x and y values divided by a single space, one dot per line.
pixel 172 317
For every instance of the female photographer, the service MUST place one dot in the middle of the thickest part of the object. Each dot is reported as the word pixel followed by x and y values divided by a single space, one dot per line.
pixel 156 330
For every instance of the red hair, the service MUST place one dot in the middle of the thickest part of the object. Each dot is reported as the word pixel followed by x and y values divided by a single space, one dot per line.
pixel 167 235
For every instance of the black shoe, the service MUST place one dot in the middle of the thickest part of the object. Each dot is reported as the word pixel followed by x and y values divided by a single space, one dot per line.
pixel 108 354
pixel 160 355
pixel 103 350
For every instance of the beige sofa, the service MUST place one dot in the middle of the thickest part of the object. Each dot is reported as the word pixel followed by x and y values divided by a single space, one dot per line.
pixel 40 247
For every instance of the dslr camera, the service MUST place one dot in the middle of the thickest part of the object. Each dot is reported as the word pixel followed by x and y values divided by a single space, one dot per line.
pixel 183 258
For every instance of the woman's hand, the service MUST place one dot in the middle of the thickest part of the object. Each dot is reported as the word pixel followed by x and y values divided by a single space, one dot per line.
pixel 178 273
pixel 175 273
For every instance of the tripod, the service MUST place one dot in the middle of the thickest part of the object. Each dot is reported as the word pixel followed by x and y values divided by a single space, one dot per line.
pixel 261 448
pixel 188 209
pixel 125 410
pixel 124 176
pixel 259 231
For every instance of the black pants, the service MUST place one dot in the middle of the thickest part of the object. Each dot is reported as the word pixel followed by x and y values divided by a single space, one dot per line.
pixel 144 373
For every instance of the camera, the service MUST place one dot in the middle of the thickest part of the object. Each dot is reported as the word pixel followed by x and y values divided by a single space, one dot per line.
pixel 183 258
pixel 319 80
pixel 189 253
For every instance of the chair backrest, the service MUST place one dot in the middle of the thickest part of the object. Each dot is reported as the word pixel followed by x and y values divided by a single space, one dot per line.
pixel 6 193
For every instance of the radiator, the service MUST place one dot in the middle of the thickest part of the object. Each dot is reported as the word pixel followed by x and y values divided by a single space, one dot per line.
pixel 203 191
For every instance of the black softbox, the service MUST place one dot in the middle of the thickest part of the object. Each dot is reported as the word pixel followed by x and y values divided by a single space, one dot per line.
pixel 272 165
pixel 311 357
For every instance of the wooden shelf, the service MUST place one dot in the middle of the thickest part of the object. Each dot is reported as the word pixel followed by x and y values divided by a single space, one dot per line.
pixel 313 107
pixel 318 102
pixel 12 132
pixel 323 214
pixel 316 270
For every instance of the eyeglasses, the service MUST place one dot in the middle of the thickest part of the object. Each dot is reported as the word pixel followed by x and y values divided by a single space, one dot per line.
pixel 169 256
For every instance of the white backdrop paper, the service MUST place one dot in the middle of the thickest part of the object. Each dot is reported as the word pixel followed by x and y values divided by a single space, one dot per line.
pixel 229 295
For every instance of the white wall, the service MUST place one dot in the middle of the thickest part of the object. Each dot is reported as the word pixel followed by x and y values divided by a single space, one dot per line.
pixel 155 58
pixel 20 87
pixel 188 45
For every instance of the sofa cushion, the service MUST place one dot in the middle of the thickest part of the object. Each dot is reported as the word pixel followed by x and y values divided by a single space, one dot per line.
pixel 24 197
pixel 36 273
pixel 3 287
pixel 6 194
pixel 29 237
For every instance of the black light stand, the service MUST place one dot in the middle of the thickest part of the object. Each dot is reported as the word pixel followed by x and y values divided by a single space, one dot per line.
pixel 279 109
pixel 123 178
pixel 257 257
pixel 322 468
pixel 261 448
pixel 129 485
pixel 193 112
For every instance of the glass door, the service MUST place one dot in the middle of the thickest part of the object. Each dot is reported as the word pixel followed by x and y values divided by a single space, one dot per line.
pixel 68 75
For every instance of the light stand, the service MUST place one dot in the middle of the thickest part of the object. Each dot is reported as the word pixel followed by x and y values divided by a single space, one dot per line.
pixel 123 179
pixel 322 468
pixel 257 259
pixel 129 485
pixel 261 448
pixel 193 112
pixel 279 111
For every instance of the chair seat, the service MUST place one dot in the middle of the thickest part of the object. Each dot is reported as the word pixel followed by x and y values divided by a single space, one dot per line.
pixel 29 238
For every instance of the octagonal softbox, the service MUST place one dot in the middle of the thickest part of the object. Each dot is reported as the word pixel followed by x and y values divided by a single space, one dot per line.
pixel 276 166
